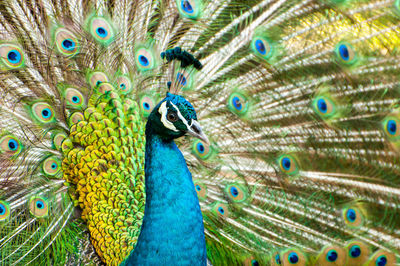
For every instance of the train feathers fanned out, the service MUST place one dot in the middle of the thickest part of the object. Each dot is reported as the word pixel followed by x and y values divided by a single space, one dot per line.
pixel 299 99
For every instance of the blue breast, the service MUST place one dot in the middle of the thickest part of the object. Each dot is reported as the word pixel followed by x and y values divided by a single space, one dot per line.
pixel 172 232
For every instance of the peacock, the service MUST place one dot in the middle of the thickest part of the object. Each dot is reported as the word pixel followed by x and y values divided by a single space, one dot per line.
pixel 198 132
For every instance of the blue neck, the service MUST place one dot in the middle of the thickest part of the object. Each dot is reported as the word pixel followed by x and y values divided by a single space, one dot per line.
pixel 172 232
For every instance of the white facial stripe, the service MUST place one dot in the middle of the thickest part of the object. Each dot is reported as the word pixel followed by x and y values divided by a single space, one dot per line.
pixel 163 111
pixel 181 116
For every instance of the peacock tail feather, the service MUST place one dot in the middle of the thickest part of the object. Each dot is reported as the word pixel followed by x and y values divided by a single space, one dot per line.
pixel 300 101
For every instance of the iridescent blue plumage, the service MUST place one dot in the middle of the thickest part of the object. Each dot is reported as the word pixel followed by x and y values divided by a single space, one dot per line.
pixel 172 230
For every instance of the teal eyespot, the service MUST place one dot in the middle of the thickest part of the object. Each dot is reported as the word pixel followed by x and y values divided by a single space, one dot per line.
pixel 353 217
pixel 66 42
pixel 381 261
pixel 102 32
pixel 220 209
pixel 4 211
pixel 254 263
pixel 14 56
pixel 124 84
pixel 145 59
pixel 238 104
pixel 11 55
pixel 96 79
pixel 332 256
pixel 43 112
pixel 51 166
pixel 293 258
pixel 201 190
pixel 186 6
pixel 74 98
pixel 146 105
pixel 324 107
pixel 278 259
pixel 355 251
pixel 236 192
pixel 391 127
pixel 382 258
pixel 101 29
pixel 38 207
pixel 345 54
pixel 10 144
pixel 201 150
pixel 190 8
pixel 262 47
pixel 288 165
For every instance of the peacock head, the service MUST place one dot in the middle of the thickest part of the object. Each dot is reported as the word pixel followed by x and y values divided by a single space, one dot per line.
pixel 174 117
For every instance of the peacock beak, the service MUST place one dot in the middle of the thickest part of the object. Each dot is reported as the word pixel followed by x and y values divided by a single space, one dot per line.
pixel 195 131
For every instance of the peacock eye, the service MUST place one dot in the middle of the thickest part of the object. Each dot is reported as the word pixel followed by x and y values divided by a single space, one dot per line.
pixel 172 117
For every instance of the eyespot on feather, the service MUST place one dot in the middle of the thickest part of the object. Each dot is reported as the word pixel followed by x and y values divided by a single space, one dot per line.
pixel 201 150
pixel 51 166
pixel 144 58
pixel 324 107
pixel 96 78
pixel 262 47
pixel 11 55
pixel 236 192
pixel 66 42
pixel 345 54
pixel 4 211
pixel 275 259
pixel 357 253
pixel 74 98
pixel 251 261
pixel 391 127
pixel 201 190
pixel 38 207
pixel 238 104
pixel 101 29
pixel 146 105
pixel 288 165
pixel 43 112
pixel 220 209
pixel 124 84
pixel 10 145
pixel 353 217
pixel 190 8
pixel 293 256
pixel 382 258
pixel 332 255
